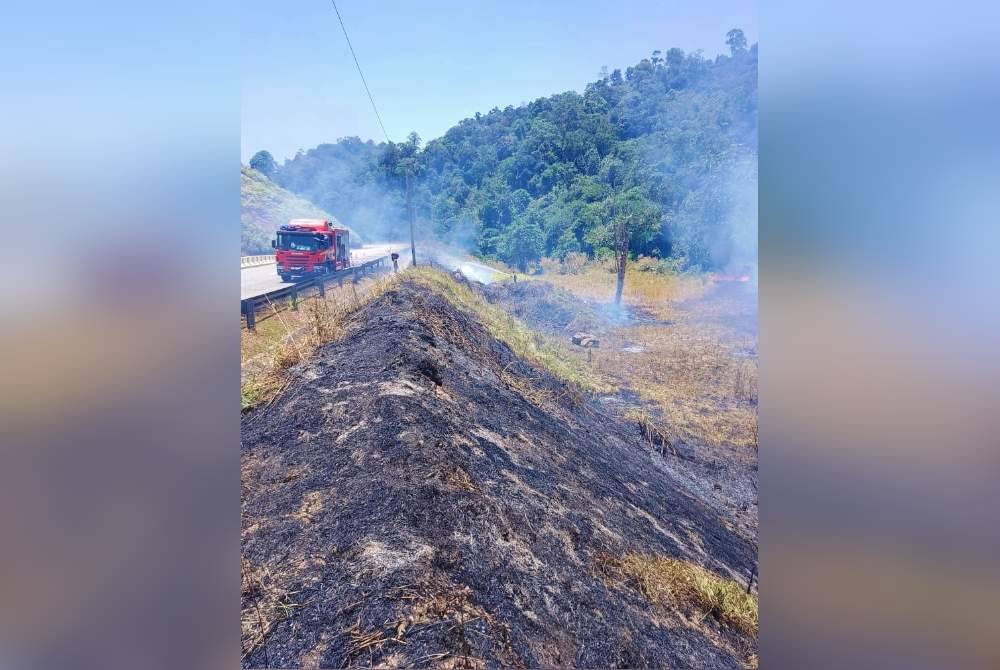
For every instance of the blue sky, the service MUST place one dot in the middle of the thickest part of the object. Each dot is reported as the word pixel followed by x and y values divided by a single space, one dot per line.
pixel 431 64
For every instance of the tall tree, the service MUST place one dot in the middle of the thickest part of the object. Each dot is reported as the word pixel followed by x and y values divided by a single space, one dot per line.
pixel 523 241
pixel 736 40
pixel 632 218
pixel 263 162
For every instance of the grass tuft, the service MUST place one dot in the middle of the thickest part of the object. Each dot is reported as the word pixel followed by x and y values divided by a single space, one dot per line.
pixel 255 389
pixel 670 582
pixel 652 431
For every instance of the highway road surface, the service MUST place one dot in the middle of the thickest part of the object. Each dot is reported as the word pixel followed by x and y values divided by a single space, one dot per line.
pixel 261 279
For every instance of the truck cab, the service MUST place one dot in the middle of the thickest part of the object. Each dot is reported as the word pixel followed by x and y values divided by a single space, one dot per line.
pixel 307 247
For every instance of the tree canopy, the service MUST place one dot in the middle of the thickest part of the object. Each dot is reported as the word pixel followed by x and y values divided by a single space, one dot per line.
pixel 664 140
pixel 263 162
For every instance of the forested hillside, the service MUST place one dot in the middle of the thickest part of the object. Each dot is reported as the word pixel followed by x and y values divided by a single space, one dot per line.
pixel 669 146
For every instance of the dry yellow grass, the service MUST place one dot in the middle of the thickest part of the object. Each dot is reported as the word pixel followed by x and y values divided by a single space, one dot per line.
pixel 702 375
pixel 650 290
pixel 700 386
pixel 651 429
pixel 674 583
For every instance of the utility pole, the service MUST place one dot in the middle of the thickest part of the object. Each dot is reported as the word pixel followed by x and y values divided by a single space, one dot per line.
pixel 409 211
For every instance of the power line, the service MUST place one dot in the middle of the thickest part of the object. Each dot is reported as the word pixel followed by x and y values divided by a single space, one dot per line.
pixel 358 65
pixel 409 204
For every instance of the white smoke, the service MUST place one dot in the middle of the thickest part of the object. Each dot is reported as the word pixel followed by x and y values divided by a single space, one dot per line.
pixel 741 192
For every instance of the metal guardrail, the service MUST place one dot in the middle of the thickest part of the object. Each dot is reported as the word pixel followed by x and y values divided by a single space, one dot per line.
pixel 251 261
pixel 248 306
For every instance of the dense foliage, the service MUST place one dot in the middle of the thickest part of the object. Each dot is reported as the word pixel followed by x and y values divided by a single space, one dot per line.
pixel 263 162
pixel 669 144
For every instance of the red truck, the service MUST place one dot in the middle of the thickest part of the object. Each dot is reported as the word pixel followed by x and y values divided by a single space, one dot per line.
pixel 311 246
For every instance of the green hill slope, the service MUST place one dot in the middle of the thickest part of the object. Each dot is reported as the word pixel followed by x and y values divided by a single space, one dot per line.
pixel 672 141
pixel 265 206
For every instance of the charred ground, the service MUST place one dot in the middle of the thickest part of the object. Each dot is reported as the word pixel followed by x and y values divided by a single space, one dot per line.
pixel 420 495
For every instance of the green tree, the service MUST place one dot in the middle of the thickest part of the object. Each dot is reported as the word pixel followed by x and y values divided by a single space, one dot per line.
pixel 736 40
pixel 632 217
pixel 523 241
pixel 567 243
pixel 675 58
pixel 263 162
pixel 403 158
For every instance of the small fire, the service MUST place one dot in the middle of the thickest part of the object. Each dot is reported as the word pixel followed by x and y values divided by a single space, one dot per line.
pixel 721 278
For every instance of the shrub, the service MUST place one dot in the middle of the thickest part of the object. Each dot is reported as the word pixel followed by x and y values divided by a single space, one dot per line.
pixel 551 266
pixel 645 264
pixel 574 263
pixel 670 581
pixel 661 266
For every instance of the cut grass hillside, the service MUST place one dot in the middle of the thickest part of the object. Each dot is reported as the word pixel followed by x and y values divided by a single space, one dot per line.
pixel 265 206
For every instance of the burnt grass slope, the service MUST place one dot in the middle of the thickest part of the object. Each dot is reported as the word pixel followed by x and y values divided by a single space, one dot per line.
pixel 419 496
pixel 545 307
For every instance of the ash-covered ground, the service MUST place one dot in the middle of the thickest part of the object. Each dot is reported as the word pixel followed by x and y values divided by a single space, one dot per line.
pixel 419 496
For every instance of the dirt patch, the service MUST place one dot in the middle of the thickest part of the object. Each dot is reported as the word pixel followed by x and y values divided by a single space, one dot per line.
pixel 449 506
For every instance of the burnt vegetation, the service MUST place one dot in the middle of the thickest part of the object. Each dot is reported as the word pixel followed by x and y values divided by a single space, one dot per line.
pixel 422 495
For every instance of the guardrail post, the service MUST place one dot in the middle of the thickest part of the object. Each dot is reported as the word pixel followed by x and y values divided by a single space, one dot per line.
pixel 250 312
pixel 295 299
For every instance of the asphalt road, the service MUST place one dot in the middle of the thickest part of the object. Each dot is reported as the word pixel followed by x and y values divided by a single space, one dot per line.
pixel 263 278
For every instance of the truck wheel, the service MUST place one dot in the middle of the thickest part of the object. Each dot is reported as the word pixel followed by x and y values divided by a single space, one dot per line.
pixel 286 277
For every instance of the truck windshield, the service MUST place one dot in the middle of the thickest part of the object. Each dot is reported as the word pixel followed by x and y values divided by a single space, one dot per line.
pixel 300 242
